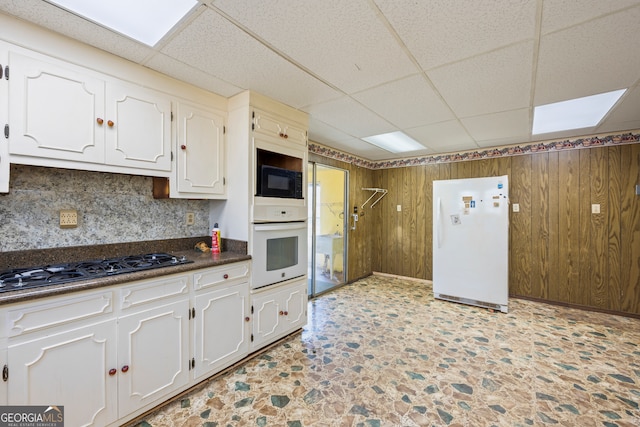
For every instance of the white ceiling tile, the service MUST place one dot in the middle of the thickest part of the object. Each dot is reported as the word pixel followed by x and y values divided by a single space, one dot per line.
pixel 442 31
pixel 408 102
pixel 496 81
pixel 184 72
pixel 350 117
pixel 361 149
pixel 559 14
pixel 215 46
pixel 443 137
pixel 343 42
pixel 323 133
pixel 625 115
pixel 588 59
pixel 515 124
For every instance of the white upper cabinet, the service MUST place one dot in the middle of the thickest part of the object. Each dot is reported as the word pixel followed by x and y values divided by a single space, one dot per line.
pixel 61 111
pixel 4 142
pixel 53 110
pixel 138 127
pixel 280 128
pixel 200 159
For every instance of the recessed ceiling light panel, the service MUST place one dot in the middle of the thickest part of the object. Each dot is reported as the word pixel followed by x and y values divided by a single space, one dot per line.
pixel 146 21
pixel 575 113
pixel 395 142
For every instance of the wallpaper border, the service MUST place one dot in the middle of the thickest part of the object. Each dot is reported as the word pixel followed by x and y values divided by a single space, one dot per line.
pixel 512 150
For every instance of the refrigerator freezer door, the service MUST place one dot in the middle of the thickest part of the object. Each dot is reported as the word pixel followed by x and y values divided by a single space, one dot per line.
pixel 471 241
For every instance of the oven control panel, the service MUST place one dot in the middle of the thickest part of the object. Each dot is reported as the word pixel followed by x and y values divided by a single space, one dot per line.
pixel 279 213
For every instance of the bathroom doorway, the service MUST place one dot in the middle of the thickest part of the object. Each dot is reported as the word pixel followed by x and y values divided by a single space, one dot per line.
pixel 327 192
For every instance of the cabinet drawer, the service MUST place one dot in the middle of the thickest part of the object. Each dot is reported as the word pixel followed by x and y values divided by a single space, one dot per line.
pixel 227 274
pixel 153 290
pixel 35 317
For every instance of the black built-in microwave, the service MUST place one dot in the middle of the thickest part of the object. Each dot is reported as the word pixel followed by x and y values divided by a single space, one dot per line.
pixel 278 182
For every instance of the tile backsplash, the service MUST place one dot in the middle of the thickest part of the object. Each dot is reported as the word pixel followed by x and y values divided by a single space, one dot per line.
pixel 112 208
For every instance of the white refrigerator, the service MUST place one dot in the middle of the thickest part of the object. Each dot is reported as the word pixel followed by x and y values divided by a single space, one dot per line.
pixel 471 241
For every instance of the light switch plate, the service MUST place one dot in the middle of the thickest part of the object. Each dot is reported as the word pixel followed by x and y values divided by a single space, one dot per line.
pixel 595 208
pixel 399 207
pixel 516 207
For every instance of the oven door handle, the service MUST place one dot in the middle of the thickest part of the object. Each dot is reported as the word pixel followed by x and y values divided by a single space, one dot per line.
pixel 280 226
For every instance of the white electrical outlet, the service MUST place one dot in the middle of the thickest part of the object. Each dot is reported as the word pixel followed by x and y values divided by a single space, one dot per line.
pixel 68 218
pixel 516 207
pixel 191 218
pixel 399 208
pixel 595 208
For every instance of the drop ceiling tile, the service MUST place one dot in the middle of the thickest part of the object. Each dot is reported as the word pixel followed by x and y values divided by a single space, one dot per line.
pixel 361 149
pixel 506 127
pixel 625 115
pixel 438 32
pixel 443 137
pixel 588 59
pixel 350 117
pixel 59 20
pixel 343 42
pixel 560 14
pixel 496 81
pixel 215 46
pixel 323 133
pixel 409 102
pixel 181 71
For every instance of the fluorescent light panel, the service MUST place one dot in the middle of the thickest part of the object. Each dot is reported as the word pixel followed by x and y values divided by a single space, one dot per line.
pixel 395 142
pixel 146 21
pixel 575 113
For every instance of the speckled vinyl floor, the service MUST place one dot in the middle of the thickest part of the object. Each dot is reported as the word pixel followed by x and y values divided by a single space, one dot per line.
pixel 383 352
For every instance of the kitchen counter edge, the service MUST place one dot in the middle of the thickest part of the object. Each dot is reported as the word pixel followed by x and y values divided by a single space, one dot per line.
pixel 200 260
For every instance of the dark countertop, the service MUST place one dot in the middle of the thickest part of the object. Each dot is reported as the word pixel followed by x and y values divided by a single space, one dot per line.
pixel 200 260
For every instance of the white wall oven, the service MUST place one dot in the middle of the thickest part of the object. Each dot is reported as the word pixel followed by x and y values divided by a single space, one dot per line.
pixel 279 252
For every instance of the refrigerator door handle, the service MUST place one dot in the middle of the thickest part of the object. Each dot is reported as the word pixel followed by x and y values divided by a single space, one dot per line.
pixel 439 222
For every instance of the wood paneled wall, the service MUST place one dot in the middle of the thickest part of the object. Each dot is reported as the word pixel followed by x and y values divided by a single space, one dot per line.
pixel 559 251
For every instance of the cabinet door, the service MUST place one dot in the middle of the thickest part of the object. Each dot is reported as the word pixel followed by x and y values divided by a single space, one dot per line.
pixel 266 318
pixel 4 142
pixel 280 128
pixel 278 312
pixel 295 303
pixel 200 154
pixel 70 369
pixel 138 127
pixel 221 328
pixel 53 109
pixel 153 355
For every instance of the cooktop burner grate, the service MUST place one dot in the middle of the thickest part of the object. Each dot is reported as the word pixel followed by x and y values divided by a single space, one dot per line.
pixel 25 278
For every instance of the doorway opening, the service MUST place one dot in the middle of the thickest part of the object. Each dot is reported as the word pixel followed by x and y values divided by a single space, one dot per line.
pixel 328 188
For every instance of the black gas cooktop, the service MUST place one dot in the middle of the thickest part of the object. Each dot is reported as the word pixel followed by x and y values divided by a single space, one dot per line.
pixel 56 274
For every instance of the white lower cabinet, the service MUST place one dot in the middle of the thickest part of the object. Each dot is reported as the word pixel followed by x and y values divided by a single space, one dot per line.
pixel 60 351
pixel 278 310
pixel 70 369
pixel 153 355
pixel 109 355
pixel 221 328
